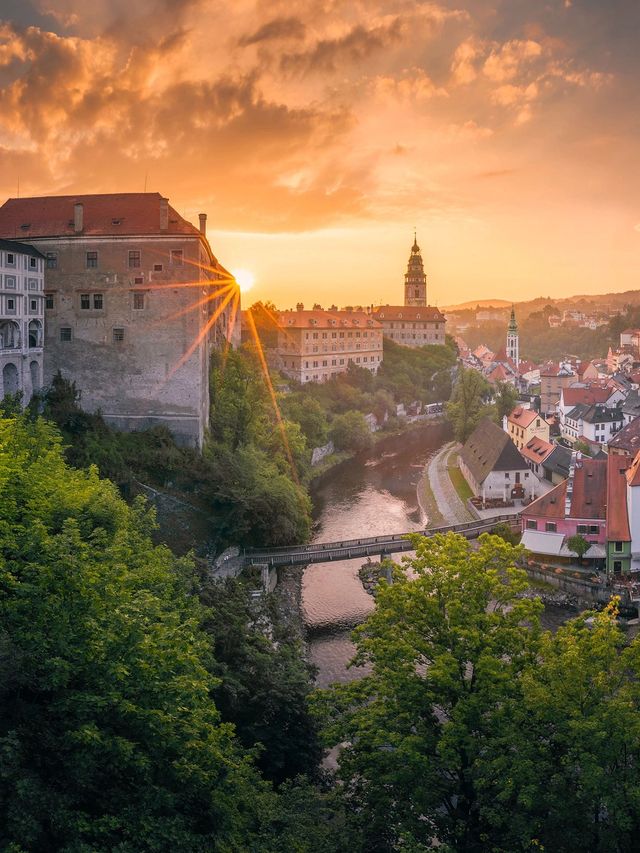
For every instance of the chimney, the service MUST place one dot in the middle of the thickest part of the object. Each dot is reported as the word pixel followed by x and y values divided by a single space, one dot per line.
pixel 78 217
pixel 299 307
pixel 203 224
pixel 164 214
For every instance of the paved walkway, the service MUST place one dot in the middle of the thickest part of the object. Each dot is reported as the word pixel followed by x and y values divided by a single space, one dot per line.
pixel 450 505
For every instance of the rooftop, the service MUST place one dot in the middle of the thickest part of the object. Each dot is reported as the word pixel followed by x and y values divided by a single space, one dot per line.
pixel 23 248
pixel 321 319
pixel 537 450
pixel 408 312
pixel 523 417
pixel 588 493
pixel 628 439
pixel 488 449
pixel 107 214
pixel 617 516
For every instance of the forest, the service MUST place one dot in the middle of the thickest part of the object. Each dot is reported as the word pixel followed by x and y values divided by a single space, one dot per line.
pixel 146 707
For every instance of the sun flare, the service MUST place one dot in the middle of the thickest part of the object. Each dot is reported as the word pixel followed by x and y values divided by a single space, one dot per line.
pixel 245 279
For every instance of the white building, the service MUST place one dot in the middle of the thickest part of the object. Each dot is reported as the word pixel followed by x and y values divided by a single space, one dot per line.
pixel 21 318
pixel 493 467
pixel 315 345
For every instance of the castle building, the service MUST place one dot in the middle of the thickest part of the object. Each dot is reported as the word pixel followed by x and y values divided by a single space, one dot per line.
pixel 513 341
pixel 134 301
pixel 315 345
pixel 21 318
pixel 414 324
pixel 415 279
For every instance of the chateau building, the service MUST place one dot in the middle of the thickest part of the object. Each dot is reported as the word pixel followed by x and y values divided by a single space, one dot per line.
pixel 134 301
pixel 315 345
pixel 414 324
pixel 21 318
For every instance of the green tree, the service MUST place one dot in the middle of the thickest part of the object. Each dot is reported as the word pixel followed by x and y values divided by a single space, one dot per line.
pixel 467 405
pixel 582 447
pixel 578 545
pixel 350 432
pixel 309 414
pixel 109 738
pixel 564 772
pixel 505 398
pixel 263 681
pixel 445 646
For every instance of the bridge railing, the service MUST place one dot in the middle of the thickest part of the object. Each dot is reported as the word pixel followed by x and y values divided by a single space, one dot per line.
pixel 380 540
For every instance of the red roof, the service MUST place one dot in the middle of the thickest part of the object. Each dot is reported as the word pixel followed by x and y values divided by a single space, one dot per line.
pixel 588 496
pixel 106 214
pixel 617 516
pixel 537 450
pixel 633 474
pixel 320 319
pixel 523 417
pixel 408 312
pixel 589 395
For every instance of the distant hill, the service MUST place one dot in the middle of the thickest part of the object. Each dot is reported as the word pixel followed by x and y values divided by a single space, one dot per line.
pixel 593 302
pixel 477 303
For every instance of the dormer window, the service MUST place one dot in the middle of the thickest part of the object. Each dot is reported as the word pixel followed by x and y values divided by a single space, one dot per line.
pixel 116 221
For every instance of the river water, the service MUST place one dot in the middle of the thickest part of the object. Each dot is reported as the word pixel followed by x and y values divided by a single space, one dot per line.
pixel 367 496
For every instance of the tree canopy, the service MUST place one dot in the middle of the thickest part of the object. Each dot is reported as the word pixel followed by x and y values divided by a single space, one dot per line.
pixel 109 738
pixel 475 730
pixel 468 404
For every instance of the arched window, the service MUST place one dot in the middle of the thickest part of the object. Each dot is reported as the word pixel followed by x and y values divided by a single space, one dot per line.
pixel 35 334
pixel 10 379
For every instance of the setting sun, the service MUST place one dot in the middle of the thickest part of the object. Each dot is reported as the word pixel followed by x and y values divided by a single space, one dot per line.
pixel 244 278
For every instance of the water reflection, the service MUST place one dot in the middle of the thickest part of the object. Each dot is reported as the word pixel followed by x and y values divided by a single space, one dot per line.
pixel 364 497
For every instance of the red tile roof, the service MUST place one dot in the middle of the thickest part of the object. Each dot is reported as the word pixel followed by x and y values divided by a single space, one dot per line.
pixel 320 319
pixel 103 215
pixel 588 497
pixel 588 396
pixel 537 450
pixel 633 474
pixel 523 417
pixel 408 312
pixel 617 516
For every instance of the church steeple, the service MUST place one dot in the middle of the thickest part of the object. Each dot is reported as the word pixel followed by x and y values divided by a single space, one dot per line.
pixel 415 279
pixel 513 340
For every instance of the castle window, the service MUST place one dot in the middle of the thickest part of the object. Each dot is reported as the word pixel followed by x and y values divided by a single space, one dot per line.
pixel 65 333
pixel 118 335
pixel 157 267
pixel 33 263
pixel 11 259
pixel 34 304
pixel 49 301
pixel 10 282
pixel 98 301
pixel 138 301
pixel 134 258
pixel 176 257
pixel 52 260
pixel 11 306
pixel 92 260
pixel 85 301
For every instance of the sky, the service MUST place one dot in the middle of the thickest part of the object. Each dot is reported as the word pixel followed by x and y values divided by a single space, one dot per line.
pixel 316 134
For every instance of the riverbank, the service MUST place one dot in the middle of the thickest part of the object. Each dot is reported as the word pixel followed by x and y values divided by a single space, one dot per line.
pixel 437 495
pixel 335 459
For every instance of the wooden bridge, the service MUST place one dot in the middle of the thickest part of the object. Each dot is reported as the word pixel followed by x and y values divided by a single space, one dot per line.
pixel 380 546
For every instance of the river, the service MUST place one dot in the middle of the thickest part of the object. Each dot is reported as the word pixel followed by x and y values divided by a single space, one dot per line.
pixel 366 496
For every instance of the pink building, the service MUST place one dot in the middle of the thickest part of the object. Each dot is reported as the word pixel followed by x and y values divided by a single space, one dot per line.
pixel 575 506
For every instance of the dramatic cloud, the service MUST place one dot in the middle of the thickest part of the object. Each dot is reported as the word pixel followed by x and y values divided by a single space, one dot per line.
pixel 504 127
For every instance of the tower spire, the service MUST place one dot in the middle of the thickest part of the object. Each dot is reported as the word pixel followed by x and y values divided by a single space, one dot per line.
pixel 513 340
pixel 415 279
